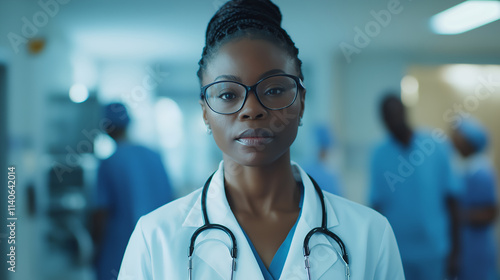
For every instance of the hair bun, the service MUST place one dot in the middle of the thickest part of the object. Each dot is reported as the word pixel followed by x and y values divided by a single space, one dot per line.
pixel 240 14
pixel 240 18
pixel 263 9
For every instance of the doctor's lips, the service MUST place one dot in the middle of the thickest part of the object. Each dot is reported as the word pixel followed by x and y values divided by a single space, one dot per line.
pixel 255 137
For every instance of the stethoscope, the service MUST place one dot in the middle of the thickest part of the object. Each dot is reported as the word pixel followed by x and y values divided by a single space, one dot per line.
pixel 233 251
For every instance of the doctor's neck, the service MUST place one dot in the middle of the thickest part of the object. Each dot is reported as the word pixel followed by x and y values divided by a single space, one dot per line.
pixel 263 189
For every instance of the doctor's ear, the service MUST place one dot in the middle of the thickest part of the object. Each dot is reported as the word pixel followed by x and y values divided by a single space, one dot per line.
pixel 204 112
pixel 302 96
pixel 205 119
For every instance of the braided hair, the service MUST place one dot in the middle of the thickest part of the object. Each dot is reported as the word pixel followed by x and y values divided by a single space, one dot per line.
pixel 259 19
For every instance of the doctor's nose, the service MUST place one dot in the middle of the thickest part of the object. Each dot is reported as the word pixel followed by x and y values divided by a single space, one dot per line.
pixel 252 109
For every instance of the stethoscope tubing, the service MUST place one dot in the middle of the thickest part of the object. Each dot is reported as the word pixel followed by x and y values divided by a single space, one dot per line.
pixel 233 250
pixel 323 230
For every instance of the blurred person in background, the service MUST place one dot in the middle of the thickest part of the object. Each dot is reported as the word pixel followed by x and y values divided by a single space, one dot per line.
pixel 317 167
pixel 130 183
pixel 478 203
pixel 414 186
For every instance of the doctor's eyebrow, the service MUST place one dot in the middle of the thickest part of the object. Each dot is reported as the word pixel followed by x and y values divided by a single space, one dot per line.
pixel 238 79
pixel 228 78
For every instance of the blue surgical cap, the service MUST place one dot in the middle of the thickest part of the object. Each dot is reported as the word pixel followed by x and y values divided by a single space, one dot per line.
pixel 117 114
pixel 323 136
pixel 475 133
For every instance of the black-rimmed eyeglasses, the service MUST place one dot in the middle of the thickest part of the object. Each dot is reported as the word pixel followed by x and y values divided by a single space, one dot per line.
pixel 273 92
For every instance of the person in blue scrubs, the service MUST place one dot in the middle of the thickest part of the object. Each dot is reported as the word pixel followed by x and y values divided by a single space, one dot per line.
pixel 130 183
pixel 414 186
pixel 478 203
pixel 317 167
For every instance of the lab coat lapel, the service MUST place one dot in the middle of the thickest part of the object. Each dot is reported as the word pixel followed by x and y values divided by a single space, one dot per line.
pixel 212 245
pixel 322 255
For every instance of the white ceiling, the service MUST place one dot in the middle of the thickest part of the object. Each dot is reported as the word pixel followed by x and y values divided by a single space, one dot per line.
pixel 170 30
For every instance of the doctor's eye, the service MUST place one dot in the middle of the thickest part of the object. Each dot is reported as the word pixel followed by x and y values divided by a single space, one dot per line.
pixel 274 91
pixel 227 96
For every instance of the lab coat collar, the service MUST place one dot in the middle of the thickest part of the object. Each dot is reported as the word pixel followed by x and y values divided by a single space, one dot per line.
pixel 311 211
pixel 219 212
pixel 217 206
pixel 322 257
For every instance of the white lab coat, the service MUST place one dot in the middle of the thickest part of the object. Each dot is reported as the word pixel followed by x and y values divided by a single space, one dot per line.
pixel 158 246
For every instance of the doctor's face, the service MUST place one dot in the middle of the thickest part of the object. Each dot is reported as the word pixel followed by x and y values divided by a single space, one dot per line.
pixel 253 135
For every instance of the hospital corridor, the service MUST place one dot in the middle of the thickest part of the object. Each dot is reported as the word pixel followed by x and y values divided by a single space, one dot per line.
pixel 263 139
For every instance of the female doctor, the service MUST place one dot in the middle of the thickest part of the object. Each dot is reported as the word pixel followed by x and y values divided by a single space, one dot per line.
pixel 255 216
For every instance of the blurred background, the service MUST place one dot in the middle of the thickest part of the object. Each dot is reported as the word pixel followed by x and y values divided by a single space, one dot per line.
pixel 60 61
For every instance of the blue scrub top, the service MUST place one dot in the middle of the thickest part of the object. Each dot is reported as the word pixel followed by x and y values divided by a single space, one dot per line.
pixel 409 185
pixel 478 245
pixel 130 183
pixel 279 259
